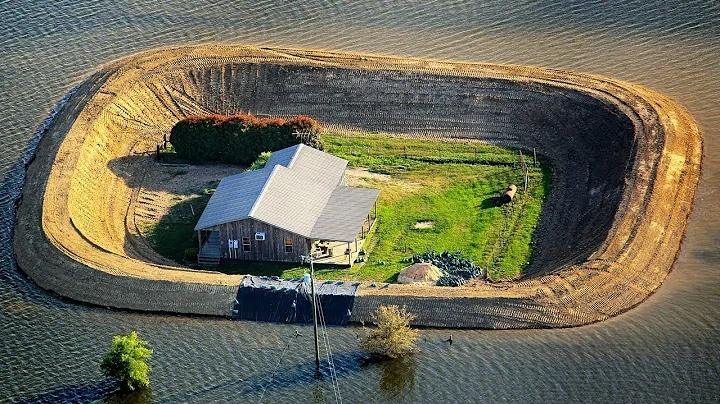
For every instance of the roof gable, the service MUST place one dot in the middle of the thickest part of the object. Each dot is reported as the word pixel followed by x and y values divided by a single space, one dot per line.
pixel 291 192
pixel 317 165
pixel 283 157
pixel 228 205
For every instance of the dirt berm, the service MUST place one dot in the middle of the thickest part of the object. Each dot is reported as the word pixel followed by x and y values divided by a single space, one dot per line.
pixel 626 162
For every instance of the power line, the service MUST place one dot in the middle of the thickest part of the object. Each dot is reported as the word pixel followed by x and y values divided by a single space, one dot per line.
pixel 272 375
pixel 331 362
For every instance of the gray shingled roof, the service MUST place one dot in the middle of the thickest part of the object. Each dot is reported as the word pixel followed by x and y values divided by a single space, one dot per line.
pixel 291 201
pixel 345 212
pixel 227 204
pixel 299 190
pixel 310 162
pixel 282 157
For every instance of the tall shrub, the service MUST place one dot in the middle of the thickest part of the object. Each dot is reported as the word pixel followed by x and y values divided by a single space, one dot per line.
pixel 393 336
pixel 240 138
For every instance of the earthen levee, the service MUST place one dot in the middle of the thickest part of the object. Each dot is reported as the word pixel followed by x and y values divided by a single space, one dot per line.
pixel 626 161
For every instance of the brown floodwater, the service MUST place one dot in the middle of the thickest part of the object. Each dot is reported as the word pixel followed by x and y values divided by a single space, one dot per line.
pixel 666 349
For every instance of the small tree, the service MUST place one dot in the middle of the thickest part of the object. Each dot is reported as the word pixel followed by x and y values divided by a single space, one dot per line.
pixel 393 336
pixel 126 361
pixel 260 161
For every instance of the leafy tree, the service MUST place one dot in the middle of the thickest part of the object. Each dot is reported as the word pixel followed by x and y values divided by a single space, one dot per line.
pixel 393 336
pixel 126 361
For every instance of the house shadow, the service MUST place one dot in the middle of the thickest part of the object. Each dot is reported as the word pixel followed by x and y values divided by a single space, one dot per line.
pixel 189 186
pixel 144 170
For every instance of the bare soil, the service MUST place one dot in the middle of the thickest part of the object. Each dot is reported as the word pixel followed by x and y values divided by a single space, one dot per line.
pixel 166 186
pixel 626 162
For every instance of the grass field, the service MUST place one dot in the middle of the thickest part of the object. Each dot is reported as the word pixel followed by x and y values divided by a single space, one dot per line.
pixel 434 195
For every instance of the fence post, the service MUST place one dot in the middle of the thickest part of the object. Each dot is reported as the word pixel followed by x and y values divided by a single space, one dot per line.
pixel 523 165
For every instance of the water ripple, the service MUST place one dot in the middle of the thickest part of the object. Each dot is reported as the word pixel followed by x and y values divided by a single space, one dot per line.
pixel 665 350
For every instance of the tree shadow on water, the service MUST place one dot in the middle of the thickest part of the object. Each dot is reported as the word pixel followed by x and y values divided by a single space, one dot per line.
pixel 105 392
pixel 397 376
pixel 278 380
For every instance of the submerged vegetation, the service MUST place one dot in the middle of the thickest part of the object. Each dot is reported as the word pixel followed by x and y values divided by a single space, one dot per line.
pixel 392 337
pixel 126 362
pixel 435 195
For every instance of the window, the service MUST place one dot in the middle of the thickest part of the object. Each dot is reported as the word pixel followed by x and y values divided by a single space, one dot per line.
pixel 246 244
pixel 288 245
pixel 260 236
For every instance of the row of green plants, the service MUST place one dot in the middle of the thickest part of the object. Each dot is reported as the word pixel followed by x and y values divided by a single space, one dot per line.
pixel 240 138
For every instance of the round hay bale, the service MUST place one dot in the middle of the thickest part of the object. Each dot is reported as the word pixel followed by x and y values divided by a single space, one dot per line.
pixel 509 193
pixel 422 273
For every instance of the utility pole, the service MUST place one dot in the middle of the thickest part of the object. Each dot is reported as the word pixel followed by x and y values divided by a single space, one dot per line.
pixel 314 309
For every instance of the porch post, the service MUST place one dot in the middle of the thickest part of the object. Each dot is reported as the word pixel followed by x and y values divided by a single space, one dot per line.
pixel 356 246
pixel 349 255
pixel 199 246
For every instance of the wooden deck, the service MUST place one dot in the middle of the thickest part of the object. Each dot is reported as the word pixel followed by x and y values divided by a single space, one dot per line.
pixel 334 252
pixel 338 250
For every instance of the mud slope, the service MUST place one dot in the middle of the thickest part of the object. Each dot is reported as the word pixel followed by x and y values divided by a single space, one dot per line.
pixel 626 164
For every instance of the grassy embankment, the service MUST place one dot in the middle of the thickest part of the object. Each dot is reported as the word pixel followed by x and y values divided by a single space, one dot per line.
pixel 453 185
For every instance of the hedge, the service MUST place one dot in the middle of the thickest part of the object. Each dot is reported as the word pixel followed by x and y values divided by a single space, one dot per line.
pixel 239 139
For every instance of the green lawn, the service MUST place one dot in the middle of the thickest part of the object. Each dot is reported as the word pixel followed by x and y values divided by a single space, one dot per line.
pixel 454 185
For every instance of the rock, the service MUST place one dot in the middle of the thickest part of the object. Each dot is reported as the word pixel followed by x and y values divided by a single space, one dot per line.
pixel 422 273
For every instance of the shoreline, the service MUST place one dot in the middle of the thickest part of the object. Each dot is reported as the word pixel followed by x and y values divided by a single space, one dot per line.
pixel 72 235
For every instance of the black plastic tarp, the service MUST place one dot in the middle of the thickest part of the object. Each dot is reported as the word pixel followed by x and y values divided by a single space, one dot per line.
pixel 277 300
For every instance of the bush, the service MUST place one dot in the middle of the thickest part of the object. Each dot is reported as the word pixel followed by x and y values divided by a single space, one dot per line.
pixel 240 138
pixel 125 362
pixel 260 161
pixel 450 280
pixel 393 336
pixel 191 254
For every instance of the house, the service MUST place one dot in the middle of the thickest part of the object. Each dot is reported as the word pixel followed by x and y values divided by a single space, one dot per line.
pixel 297 205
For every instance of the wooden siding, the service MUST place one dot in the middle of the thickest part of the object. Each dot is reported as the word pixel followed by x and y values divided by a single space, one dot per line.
pixel 272 249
